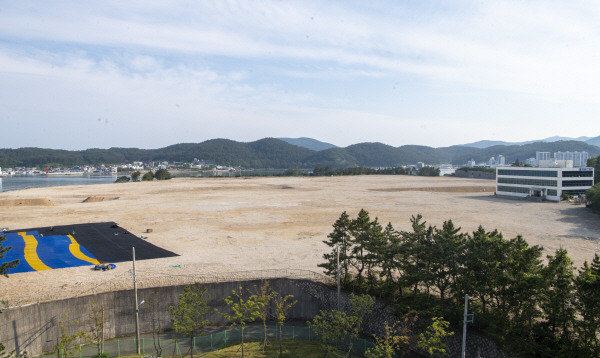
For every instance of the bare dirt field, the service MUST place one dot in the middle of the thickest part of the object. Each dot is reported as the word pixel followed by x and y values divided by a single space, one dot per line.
pixel 222 225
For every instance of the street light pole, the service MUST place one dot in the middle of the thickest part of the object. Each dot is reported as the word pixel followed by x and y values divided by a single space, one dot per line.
pixel 137 306
pixel 337 273
pixel 468 318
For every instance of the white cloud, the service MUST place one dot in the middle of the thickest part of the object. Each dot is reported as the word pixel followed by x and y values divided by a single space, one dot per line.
pixel 190 64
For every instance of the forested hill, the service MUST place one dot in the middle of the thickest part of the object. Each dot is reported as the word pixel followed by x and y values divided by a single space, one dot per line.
pixel 275 153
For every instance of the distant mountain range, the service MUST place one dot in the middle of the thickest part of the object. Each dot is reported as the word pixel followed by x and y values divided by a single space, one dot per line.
pixel 308 143
pixel 279 153
pixel 490 143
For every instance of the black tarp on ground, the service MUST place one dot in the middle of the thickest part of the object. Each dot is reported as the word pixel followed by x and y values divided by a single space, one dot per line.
pixel 107 241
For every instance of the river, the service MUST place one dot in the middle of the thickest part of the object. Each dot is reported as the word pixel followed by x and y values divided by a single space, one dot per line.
pixel 35 181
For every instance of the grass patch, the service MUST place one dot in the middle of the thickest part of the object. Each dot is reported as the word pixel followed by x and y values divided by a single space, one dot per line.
pixel 291 349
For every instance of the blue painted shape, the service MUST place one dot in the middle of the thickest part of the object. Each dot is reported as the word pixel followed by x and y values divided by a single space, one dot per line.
pixel 53 251
pixel 17 252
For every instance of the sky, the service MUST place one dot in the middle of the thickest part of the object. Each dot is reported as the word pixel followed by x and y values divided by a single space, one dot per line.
pixel 148 74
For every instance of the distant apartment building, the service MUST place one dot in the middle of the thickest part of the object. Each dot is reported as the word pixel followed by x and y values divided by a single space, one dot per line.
pixel 539 156
pixel 579 158
pixel 501 160
pixel 545 183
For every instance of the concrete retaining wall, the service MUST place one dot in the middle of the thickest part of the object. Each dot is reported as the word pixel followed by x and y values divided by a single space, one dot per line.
pixel 35 328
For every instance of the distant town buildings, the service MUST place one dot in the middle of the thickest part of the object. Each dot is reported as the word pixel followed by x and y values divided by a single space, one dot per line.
pixel 579 158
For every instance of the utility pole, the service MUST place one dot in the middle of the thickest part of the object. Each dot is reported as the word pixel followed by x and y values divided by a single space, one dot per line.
pixel 137 306
pixel 468 318
pixel 337 273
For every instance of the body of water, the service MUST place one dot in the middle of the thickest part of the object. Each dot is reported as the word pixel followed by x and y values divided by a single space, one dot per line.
pixel 36 181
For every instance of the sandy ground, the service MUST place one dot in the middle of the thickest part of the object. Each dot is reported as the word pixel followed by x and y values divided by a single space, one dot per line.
pixel 221 225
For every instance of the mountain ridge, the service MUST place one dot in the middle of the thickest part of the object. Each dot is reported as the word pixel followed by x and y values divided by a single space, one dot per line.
pixel 276 153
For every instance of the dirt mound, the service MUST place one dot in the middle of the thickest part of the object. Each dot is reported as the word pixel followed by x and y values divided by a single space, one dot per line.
pixel 93 199
pixel 97 199
pixel 27 202
pixel 443 189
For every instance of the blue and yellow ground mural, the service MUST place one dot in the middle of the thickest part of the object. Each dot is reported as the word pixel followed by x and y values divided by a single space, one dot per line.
pixel 37 253
pixel 55 247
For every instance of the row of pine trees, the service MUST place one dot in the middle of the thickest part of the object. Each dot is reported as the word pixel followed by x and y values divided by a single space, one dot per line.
pixel 532 306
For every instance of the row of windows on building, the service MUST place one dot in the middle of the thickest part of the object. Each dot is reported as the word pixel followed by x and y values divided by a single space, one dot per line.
pixel 526 190
pixel 544 182
pixel 546 173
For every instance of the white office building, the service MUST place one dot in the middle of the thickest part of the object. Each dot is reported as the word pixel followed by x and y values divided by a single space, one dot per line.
pixel 545 183
pixel 539 156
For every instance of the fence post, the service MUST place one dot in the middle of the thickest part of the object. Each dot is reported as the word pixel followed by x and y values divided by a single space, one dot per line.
pixel 193 344
pixel 80 351
pixel 118 349
pixel 225 337
pixel 211 347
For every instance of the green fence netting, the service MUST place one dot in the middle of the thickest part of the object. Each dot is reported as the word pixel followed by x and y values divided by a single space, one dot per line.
pixel 165 344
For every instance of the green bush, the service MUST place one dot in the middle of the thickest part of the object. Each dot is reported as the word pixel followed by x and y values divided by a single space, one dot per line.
pixel 162 174
pixel 123 179
pixel 148 176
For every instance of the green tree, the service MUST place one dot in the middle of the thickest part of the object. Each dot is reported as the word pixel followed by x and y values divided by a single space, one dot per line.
pixel 417 245
pixel 592 196
pixel 587 302
pixel 282 306
pixel 122 179
pixel 162 174
pixel 432 340
pixel 428 172
pixel 333 326
pixel 594 162
pixel 6 266
pixel 367 239
pixel 189 315
pixel 148 176
pixel 484 266
pixel 96 329
pixel 263 297
pixel 70 336
pixel 135 176
pixel 293 172
pixel 243 311
pixel 445 257
pixel 396 339
pixel 557 297
pixel 339 237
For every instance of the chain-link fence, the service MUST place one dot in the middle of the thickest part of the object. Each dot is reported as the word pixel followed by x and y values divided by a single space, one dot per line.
pixel 165 345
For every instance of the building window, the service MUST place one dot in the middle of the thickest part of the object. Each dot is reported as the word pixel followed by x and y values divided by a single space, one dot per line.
pixel 577 183
pixel 522 181
pixel 577 174
pixel 528 173
pixel 552 192
pixel 513 189
pixel 575 192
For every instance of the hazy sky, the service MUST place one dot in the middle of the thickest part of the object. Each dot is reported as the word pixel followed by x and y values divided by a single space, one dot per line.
pixel 81 74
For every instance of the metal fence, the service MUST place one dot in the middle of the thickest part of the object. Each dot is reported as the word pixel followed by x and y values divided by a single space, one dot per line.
pixel 183 275
pixel 165 345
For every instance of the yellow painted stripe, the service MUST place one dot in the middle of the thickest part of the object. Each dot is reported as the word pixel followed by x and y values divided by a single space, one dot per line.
pixel 76 251
pixel 30 253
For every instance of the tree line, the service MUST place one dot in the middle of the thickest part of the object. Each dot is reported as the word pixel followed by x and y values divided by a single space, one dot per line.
pixel 526 304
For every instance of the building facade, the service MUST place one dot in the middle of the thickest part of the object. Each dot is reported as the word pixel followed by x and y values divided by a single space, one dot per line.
pixel 545 183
